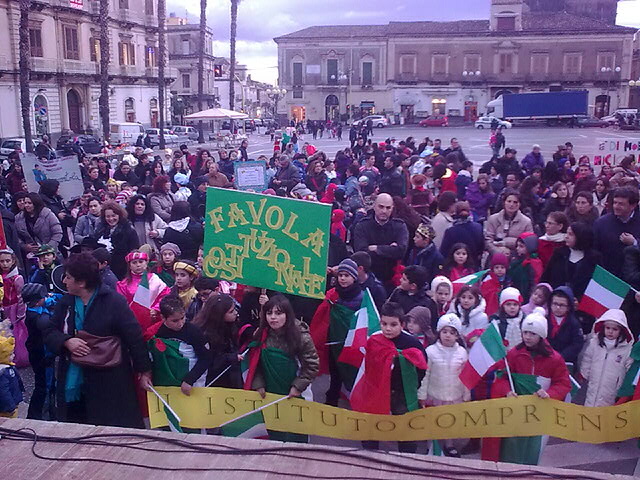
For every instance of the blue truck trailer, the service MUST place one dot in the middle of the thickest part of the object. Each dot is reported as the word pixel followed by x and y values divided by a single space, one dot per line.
pixel 553 107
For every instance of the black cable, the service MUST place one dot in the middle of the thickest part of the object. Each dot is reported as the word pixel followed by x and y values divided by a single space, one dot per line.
pixel 445 473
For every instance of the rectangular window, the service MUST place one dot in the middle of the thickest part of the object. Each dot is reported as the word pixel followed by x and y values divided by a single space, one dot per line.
pixel 297 94
pixel 439 64
pixel 150 56
pixel 148 7
pixel 185 46
pixel 606 60
pixel 297 73
pixel 123 4
pixel 367 73
pixel 408 64
pixel 186 80
pixel 94 49
pixel 332 72
pixel 506 24
pixel 573 63
pixel 539 63
pixel 506 63
pixel 71 49
pixel 35 40
pixel 472 63
pixel 127 53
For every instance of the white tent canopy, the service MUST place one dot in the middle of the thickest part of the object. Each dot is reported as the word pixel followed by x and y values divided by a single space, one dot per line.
pixel 216 114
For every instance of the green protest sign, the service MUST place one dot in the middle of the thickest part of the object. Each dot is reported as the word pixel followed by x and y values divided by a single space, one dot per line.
pixel 267 241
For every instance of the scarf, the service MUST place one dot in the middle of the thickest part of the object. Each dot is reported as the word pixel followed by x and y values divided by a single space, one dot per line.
pixel 75 376
pixel 555 325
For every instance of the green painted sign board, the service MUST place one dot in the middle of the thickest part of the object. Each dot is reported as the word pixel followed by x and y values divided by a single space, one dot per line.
pixel 266 241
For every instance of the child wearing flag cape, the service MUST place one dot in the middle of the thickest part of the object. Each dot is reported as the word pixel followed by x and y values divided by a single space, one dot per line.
pixel 142 290
pixel 536 369
pixel 394 365
pixel 282 359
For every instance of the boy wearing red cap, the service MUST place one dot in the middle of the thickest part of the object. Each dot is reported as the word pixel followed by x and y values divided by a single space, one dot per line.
pixel 494 282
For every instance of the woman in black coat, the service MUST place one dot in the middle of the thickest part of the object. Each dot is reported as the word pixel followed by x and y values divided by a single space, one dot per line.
pixel 184 231
pixel 95 396
pixel 573 265
pixel 118 234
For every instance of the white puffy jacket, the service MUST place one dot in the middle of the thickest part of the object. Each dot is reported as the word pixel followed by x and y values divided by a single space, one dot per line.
pixel 606 366
pixel 441 381
pixel 478 320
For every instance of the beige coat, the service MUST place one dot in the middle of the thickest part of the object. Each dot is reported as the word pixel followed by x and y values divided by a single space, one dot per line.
pixel 498 227
pixel 440 223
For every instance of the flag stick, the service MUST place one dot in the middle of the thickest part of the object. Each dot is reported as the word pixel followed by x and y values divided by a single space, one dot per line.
pixel 253 411
pixel 164 403
pixel 224 371
pixel 513 389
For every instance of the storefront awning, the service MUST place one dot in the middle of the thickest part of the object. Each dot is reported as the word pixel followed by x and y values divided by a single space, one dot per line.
pixel 367 104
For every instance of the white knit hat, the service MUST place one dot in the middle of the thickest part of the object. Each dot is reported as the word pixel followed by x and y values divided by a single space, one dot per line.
pixel 450 320
pixel 510 293
pixel 440 280
pixel 536 322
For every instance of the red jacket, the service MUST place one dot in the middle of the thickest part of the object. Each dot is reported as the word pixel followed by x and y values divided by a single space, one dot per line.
pixel 546 249
pixel 490 289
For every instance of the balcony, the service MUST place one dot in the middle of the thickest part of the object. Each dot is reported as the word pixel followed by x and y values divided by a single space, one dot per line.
pixel 79 67
pixel 4 63
pixel 39 64
pixel 152 71
pixel 407 78
pixel 151 21
pixel 129 70
pixel 125 15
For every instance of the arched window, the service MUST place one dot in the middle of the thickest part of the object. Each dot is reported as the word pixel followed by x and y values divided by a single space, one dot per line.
pixel 130 110
pixel 41 114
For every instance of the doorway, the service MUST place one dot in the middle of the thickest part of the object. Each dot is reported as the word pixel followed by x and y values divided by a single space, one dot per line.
pixel 73 107
pixel 331 108
pixel 602 106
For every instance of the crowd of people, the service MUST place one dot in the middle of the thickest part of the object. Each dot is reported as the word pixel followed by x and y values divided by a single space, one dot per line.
pixel 411 220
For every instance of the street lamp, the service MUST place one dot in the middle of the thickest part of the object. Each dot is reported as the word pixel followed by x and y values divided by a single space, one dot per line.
pixel 275 94
pixel 609 70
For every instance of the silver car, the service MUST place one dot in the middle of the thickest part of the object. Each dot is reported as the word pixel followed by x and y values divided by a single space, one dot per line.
pixel 9 145
pixel 185 133
pixel 154 134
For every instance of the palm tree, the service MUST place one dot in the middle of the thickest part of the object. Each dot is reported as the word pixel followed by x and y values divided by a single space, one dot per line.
pixel 25 72
pixel 203 34
pixel 105 58
pixel 162 13
pixel 232 51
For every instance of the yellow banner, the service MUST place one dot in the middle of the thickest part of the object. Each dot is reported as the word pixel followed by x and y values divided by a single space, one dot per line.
pixel 506 417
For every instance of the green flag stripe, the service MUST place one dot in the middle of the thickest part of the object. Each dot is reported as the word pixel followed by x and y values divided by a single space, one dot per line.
pixel 409 382
pixel 610 282
pixel 492 342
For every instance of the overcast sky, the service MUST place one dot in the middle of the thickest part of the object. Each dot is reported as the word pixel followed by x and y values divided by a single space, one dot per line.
pixel 259 21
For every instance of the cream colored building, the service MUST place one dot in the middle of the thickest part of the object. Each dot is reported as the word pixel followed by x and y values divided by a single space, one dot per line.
pixel 65 50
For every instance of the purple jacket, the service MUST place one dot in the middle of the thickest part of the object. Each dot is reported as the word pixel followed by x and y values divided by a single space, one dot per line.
pixel 531 161
pixel 480 201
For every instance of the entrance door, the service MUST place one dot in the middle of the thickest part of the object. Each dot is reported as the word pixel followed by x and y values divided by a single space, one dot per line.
pixel 470 111
pixel 73 106
pixel 602 106
pixel 407 112
pixel 298 113
pixel 332 108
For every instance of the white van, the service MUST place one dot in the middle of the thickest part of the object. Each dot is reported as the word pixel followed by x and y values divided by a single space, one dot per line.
pixel 185 133
pixel 125 132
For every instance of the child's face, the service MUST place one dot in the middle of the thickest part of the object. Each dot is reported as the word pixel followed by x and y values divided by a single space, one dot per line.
pixel 138 266
pixel 168 257
pixel 448 336
pixel 413 327
pixel 460 256
pixel 276 318
pixel 552 227
pixel 521 249
pixel 443 294
pixel 611 330
pixel 6 262
pixel 537 297
pixel 175 321
pixel 345 280
pixel 200 258
pixel 391 326
pixel 231 315
pixel 530 339
pixel 467 300
pixel 420 241
pixel 183 279
pixel 47 259
pixel 499 270
pixel 511 308
pixel 406 285
pixel 204 295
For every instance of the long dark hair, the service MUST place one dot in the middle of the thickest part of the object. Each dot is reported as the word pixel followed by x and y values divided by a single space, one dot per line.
pixel 38 204
pixel 210 319
pixel 180 210
pixel 148 214
pixel 542 348
pixel 291 331
pixel 465 313
pixel 450 263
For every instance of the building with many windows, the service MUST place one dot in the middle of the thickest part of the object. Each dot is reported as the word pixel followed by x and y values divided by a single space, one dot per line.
pixel 65 64
pixel 410 70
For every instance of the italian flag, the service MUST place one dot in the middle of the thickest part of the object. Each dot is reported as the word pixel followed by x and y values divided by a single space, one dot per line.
pixel 174 422
pixel 365 322
pixel 485 353
pixel 251 426
pixel 468 280
pixel 630 388
pixel 141 304
pixel 604 292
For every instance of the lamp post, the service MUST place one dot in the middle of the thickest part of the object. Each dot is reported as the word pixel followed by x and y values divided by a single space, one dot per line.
pixel 609 71
pixel 471 75
pixel 275 94
pixel 346 76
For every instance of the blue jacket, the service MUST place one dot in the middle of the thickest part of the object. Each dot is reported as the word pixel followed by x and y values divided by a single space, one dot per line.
pixel 531 161
pixel 467 232
pixel 11 388
pixel 569 339
pixel 607 231
pixel 431 259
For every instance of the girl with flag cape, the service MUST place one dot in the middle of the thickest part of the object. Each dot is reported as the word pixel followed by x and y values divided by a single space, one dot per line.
pixel 142 290
pixel 394 365
pixel 330 326
pixel 282 359
pixel 536 369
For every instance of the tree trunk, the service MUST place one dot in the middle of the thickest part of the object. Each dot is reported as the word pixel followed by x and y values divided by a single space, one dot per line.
pixel 25 72
pixel 105 58
pixel 162 13
pixel 201 51
pixel 232 56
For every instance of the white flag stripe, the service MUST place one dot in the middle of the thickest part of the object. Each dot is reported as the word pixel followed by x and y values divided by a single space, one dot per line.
pixel 361 322
pixel 604 297
pixel 480 359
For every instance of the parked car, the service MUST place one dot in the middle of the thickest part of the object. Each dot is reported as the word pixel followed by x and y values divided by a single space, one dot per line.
pixel 126 132
pixel 89 143
pixel 485 122
pixel 9 145
pixel 154 134
pixel 584 122
pixel 379 121
pixel 185 133
pixel 434 121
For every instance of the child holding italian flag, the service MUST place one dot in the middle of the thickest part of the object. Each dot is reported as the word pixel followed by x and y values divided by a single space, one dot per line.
pixel 394 365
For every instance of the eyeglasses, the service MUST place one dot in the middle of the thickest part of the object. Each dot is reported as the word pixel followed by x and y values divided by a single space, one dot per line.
pixel 559 305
